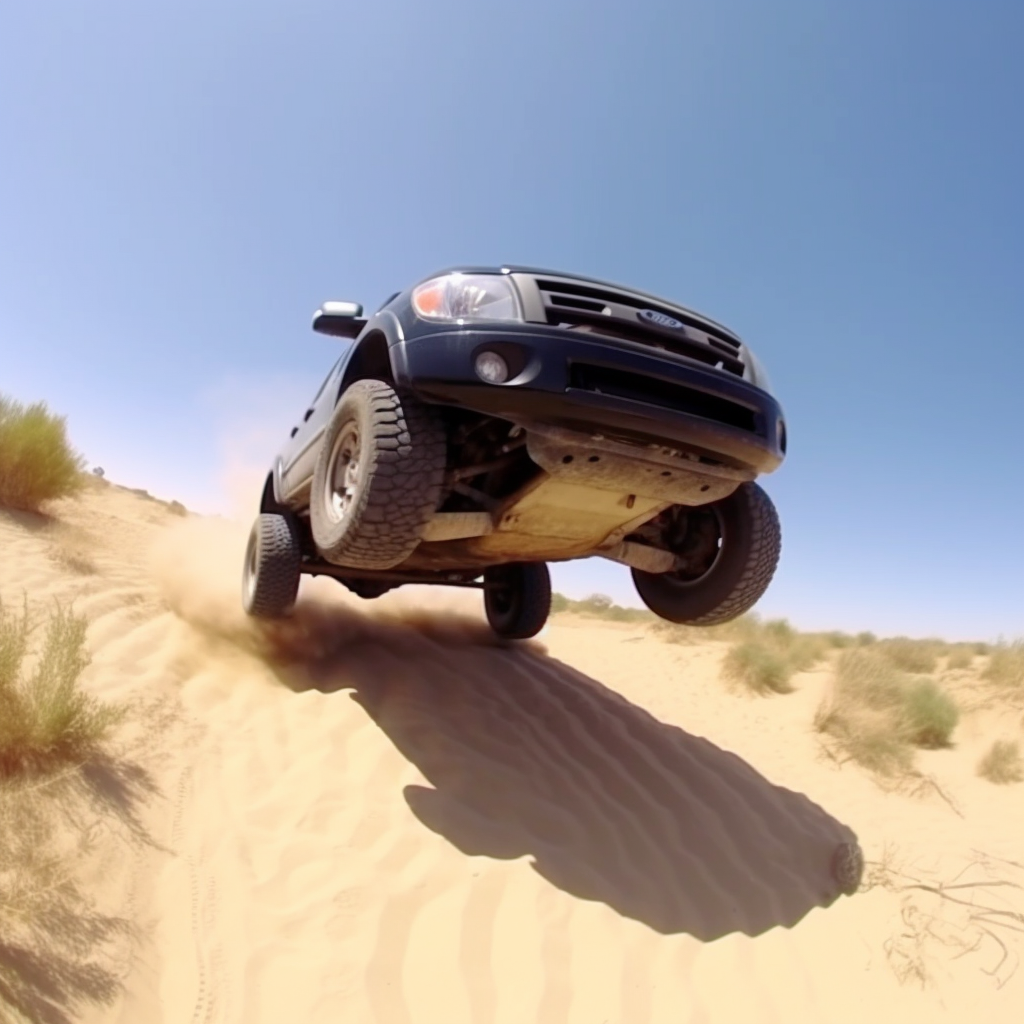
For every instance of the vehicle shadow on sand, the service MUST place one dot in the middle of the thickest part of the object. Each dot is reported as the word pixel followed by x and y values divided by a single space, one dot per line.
pixel 527 756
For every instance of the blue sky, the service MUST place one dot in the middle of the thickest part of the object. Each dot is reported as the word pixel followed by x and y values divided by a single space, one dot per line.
pixel 181 184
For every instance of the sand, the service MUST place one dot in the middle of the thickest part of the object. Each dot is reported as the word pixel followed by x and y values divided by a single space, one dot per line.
pixel 375 812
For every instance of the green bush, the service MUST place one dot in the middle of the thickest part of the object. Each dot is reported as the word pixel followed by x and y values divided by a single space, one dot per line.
pixel 37 463
pixel 930 715
pixel 46 721
pixel 1002 764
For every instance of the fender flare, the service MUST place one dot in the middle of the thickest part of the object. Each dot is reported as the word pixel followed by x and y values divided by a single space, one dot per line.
pixel 381 338
pixel 272 498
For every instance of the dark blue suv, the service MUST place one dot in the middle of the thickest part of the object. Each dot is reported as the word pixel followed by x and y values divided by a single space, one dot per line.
pixel 487 421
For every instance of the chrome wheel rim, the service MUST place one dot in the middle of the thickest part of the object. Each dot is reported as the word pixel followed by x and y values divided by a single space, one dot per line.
pixel 342 477
pixel 249 580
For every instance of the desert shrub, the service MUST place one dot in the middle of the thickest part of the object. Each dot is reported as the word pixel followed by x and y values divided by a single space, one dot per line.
pixel 930 714
pixel 759 666
pixel 1002 763
pixel 865 639
pixel 37 462
pixel 1005 665
pixel 912 655
pixel 877 715
pixel 46 720
pixel 559 603
pixel 869 678
pixel 766 655
pixel 177 508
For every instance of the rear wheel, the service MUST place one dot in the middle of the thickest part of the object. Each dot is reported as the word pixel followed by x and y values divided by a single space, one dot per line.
pixel 273 559
pixel 731 550
pixel 517 598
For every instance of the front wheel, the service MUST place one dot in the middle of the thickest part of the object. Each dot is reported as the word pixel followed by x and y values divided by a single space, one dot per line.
pixel 517 598
pixel 730 550
pixel 378 477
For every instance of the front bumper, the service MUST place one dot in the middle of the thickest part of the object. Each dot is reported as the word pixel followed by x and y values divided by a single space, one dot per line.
pixel 585 382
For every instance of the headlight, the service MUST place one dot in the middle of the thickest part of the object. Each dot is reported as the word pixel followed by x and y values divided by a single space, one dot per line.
pixel 757 373
pixel 467 297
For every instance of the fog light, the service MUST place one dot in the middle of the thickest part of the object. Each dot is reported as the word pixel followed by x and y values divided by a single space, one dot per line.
pixel 490 367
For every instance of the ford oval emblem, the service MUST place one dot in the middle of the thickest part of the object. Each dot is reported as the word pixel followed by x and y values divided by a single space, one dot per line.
pixel 661 319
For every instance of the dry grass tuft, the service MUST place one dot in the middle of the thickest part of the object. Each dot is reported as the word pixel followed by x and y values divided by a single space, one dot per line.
pixel 877 715
pixel 759 667
pixel 773 652
pixel 37 462
pixel 1002 764
pixel 920 656
pixel 1005 666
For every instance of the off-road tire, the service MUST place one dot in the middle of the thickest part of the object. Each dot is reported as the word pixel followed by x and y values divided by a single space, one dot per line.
pixel 401 450
pixel 848 867
pixel 749 554
pixel 517 598
pixel 273 559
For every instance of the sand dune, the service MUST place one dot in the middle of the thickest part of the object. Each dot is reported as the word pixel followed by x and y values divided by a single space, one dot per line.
pixel 375 812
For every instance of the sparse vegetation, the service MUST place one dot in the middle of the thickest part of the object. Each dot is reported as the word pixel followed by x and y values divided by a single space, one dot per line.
pixel 773 653
pixel 1005 666
pixel 920 656
pixel 1002 763
pixel 37 462
pixel 961 657
pixel 746 627
pixel 599 606
pixel 877 714
pixel 46 721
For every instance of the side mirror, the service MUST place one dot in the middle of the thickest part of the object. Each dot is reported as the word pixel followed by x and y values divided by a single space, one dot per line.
pixel 339 319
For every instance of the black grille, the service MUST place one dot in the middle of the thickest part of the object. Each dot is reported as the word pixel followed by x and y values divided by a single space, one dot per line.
pixel 651 390
pixel 584 307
